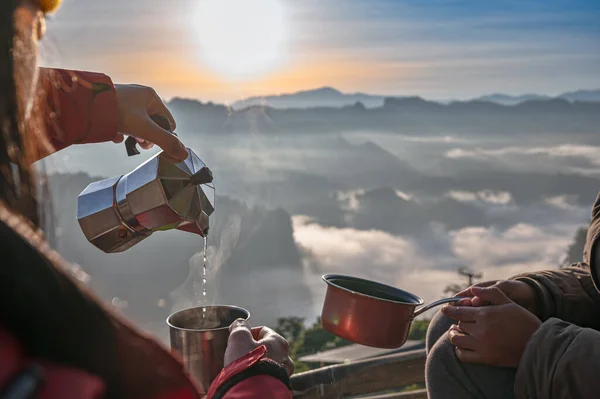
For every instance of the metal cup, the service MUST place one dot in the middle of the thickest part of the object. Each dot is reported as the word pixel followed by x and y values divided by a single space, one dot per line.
pixel 200 337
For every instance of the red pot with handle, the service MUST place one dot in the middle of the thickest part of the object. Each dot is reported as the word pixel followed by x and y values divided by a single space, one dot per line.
pixel 370 313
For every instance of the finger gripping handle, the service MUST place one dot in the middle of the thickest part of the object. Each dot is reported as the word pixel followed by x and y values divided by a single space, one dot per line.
pixel 131 142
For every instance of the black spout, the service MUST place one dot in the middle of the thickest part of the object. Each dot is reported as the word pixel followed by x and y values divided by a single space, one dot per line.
pixel 203 176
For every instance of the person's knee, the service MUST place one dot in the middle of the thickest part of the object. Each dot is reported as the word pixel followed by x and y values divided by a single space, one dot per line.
pixel 445 372
pixel 440 373
pixel 437 328
pixel 441 355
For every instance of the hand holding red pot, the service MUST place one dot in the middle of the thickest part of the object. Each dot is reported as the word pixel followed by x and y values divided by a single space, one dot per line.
pixel 492 329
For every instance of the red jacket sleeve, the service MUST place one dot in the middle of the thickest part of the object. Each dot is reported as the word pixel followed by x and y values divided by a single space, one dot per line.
pixel 48 380
pixel 259 386
pixel 81 107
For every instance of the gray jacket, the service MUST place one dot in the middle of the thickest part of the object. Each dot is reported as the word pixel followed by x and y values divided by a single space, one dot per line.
pixel 562 358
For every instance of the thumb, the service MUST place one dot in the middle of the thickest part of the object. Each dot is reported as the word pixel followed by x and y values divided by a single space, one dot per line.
pixel 240 326
pixel 266 333
pixel 493 295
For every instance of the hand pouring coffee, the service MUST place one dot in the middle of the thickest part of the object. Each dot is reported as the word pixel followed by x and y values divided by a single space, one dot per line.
pixel 160 194
pixel 370 313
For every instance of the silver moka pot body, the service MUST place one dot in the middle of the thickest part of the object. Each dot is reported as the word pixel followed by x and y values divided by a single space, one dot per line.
pixel 160 194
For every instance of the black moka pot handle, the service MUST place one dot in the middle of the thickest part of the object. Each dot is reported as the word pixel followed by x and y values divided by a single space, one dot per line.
pixel 131 142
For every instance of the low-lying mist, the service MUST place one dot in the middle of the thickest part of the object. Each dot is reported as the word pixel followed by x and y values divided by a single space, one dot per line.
pixel 406 210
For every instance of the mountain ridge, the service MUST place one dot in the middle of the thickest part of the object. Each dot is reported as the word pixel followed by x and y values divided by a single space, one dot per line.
pixel 404 115
pixel 321 96
pixel 327 96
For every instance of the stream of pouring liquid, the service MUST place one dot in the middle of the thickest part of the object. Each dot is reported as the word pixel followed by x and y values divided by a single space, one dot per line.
pixel 204 277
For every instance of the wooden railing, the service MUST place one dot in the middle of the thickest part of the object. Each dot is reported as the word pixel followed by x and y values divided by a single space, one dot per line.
pixel 371 378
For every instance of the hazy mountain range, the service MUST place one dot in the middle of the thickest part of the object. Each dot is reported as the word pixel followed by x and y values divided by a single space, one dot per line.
pixel 403 192
pixel 578 95
pixel 407 115
pixel 321 97
pixel 330 97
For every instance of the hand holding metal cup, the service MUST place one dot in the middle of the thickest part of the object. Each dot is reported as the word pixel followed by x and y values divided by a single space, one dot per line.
pixel 200 335
pixel 244 339
pixel 211 337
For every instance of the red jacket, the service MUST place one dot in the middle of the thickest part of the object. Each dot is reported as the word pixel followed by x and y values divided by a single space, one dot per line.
pixel 52 381
pixel 83 109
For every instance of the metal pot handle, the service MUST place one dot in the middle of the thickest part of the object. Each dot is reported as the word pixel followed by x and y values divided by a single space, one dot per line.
pixel 434 304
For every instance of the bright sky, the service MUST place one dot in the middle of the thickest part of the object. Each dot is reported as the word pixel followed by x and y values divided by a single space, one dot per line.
pixel 223 50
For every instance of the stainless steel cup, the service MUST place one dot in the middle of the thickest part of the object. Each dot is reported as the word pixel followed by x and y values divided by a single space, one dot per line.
pixel 200 336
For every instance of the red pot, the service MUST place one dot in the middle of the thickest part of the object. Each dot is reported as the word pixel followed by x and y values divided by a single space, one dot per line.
pixel 370 313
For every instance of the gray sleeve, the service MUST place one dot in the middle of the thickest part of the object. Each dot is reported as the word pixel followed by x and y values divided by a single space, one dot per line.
pixel 561 360
pixel 568 294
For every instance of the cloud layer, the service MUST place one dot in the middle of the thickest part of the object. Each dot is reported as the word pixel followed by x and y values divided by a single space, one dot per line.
pixel 574 157
pixel 498 254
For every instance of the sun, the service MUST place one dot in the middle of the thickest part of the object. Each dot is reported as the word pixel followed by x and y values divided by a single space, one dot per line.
pixel 240 39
